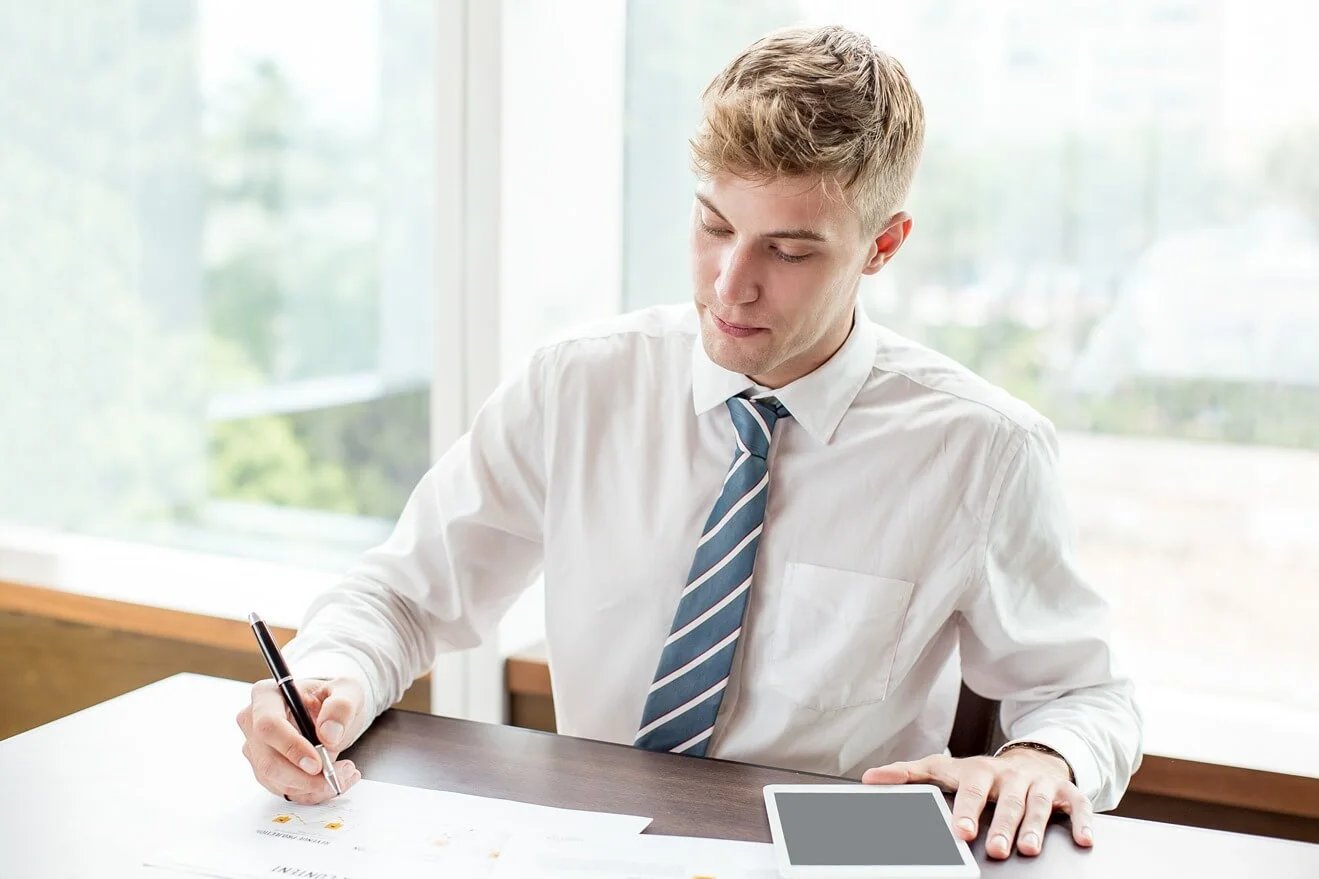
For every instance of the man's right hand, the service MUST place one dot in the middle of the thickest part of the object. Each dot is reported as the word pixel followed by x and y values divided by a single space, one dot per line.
pixel 283 761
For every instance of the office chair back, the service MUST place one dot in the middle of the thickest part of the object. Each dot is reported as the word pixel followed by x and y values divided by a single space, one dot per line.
pixel 975 725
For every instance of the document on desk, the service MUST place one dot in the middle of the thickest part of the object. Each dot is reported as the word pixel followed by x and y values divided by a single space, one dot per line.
pixel 635 857
pixel 375 830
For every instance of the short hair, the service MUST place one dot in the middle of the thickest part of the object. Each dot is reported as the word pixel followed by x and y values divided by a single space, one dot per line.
pixel 815 102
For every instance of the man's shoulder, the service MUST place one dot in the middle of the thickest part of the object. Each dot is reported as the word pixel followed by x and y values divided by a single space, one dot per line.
pixel 956 391
pixel 624 336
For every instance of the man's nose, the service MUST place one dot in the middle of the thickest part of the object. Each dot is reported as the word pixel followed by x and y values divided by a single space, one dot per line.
pixel 737 282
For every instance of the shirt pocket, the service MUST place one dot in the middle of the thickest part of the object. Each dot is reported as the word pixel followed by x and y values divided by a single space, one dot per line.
pixel 835 636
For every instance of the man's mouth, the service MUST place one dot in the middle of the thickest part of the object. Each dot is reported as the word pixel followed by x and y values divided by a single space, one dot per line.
pixel 736 330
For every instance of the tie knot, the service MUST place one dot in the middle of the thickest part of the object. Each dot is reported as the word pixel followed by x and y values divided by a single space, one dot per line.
pixel 754 421
pixel 773 405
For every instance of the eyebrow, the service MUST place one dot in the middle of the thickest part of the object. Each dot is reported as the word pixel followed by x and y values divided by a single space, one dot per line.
pixel 792 234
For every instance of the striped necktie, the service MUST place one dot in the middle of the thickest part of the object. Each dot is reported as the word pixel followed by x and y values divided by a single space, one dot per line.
pixel 698 655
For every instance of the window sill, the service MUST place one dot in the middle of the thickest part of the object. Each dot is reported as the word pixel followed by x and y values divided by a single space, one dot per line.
pixel 1231 732
pixel 187 595
pixel 134 574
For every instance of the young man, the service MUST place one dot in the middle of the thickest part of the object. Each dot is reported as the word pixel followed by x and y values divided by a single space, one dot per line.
pixel 770 530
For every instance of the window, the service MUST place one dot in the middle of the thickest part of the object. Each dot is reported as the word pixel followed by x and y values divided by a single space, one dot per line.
pixel 220 235
pixel 216 270
pixel 1117 219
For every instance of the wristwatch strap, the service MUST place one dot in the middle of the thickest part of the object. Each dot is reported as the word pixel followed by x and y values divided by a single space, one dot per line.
pixel 1036 746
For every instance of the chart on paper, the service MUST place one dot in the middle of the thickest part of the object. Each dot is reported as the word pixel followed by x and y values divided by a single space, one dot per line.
pixel 377 829
pixel 437 839
pixel 326 824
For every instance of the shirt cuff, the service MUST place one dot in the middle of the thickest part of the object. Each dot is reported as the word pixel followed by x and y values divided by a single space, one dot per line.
pixel 1080 759
pixel 327 664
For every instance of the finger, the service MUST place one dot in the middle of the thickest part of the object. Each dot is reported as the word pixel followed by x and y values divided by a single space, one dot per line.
pixel 974 786
pixel 271 727
pixel 349 774
pixel 244 720
pixel 311 799
pixel 346 780
pixel 1010 806
pixel 279 776
pixel 311 702
pixel 314 688
pixel 895 773
pixel 935 769
pixel 248 747
pixel 1039 806
pixel 346 772
pixel 1082 813
pixel 338 714
pixel 314 693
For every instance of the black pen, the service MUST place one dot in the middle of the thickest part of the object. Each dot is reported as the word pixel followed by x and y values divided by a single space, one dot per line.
pixel 279 670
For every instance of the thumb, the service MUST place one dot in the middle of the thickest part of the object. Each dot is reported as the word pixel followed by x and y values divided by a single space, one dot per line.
pixel 340 708
pixel 893 773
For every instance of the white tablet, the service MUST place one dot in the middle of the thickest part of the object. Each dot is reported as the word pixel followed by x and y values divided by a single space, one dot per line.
pixel 865 831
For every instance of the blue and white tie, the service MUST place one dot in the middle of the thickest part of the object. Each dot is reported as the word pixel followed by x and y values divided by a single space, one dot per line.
pixel 698 655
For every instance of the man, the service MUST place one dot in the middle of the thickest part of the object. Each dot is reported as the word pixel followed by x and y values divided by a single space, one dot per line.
pixel 770 530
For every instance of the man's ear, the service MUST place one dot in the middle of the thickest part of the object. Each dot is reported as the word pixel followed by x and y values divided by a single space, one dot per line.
pixel 888 241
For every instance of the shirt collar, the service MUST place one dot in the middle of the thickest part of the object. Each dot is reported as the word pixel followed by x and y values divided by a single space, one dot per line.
pixel 817 400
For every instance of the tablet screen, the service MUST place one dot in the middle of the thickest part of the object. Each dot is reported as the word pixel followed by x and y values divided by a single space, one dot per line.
pixel 865 829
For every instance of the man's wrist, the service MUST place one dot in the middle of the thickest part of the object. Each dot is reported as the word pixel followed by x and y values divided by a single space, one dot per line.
pixel 1038 751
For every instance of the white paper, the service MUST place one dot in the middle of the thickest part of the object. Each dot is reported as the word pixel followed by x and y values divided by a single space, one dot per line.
pixel 636 857
pixel 376 830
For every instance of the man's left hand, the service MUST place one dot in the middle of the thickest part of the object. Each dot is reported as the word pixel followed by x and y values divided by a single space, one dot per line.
pixel 1027 786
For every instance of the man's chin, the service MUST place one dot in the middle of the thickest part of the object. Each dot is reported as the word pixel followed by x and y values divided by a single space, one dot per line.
pixel 734 355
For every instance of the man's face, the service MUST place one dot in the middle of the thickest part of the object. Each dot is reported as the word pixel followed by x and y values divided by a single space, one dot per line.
pixel 775 271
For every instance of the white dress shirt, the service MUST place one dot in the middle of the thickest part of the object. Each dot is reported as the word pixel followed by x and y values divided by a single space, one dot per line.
pixel 915 518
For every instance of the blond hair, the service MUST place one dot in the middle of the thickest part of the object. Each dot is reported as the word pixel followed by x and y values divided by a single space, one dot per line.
pixel 815 102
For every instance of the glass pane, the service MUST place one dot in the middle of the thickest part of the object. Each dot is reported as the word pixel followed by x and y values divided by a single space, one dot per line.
pixel 561 169
pixel 1117 219
pixel 215 269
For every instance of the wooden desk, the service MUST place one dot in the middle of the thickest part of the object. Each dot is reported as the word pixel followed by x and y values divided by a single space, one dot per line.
pixel 91 794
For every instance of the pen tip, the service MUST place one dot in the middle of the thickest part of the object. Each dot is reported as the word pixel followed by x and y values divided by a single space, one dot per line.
pixel 253 619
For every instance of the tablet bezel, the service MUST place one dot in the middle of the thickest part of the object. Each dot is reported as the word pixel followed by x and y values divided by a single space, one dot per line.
pixel 788 870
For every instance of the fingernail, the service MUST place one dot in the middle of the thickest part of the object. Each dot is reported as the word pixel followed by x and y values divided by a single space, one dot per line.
pixel 1030 840
pixel 331 733
pixel 1086 835
pixel 310 766
pixel 967 824
pixel 999 842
